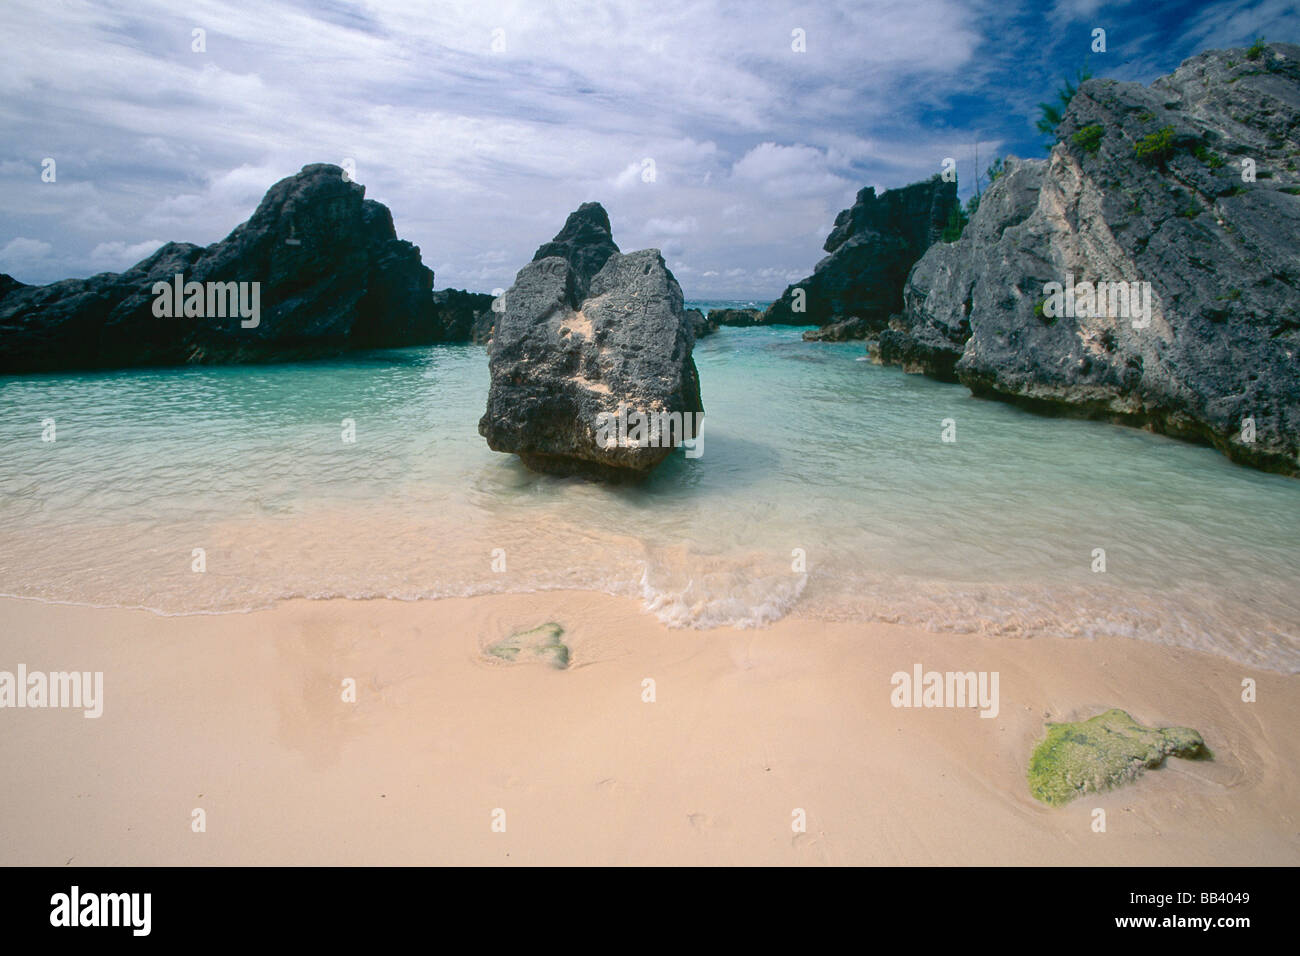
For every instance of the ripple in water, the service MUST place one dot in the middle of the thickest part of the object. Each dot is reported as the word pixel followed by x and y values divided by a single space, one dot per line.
pixel 824 490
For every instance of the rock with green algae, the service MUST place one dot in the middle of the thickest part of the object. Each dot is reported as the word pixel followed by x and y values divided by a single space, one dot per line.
pixel 1103 752
pixel 540 643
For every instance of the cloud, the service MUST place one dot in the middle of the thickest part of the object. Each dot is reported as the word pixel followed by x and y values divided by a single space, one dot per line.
pixel 21 253
pixel 476 149
pixel 118 256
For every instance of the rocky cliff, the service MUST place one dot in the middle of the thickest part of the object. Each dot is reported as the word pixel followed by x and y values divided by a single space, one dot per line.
pixel 871 248
pixel 1148 272
pixel 330 275
pixel 589 336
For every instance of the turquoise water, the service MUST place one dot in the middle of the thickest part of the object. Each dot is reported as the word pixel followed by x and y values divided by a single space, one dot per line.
pixel 806 448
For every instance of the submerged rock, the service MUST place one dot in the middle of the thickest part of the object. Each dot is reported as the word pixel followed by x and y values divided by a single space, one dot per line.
pixel 871 248
pixel 540 643
pixel 331 275
pixel 588 334
pixel 1150 187
pixel 1103 752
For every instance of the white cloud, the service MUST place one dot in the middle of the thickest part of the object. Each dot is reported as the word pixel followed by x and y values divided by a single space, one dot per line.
pixel 118 256
pixel 22 253
pixel 473 150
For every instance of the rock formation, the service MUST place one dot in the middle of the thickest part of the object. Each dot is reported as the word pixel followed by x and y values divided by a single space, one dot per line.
pixel 1187 192
pixel 737 317
pixel 331 275
pixel 871 248
pixel 848 330
pixel 700 324
pixel 589 337
pixel 1102 752
pixel 463 316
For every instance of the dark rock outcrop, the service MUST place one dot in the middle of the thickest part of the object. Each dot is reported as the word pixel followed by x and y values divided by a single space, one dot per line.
pixel 700 324
pixel 463 316
pixel 332 275
pixel 871 249
pixel 1145 187
pixel 585 243
pixel 741 318
pixel 849 330
pixel 587 330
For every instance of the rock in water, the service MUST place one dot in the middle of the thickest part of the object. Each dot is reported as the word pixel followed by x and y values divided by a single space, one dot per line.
pixel 848 330
pixel 463 316
pixel 872 247
pixel 587 331
pixel 700 324
pixel 1188 193
pixel 1103 752
pixel 738 317
pixel 540 643
pixel 331 273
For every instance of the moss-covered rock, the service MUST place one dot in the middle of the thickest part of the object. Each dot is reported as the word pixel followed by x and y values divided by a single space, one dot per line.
pixel 1103 752
pixel 540 643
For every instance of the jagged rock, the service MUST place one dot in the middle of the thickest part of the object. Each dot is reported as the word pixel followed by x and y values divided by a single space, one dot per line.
pixel 332 276
pixel 585 331
pixel 485 324
pixel 700 324
pixel 585 243
pixel 462 316
pixel 1145 186
pixel 737 317
pixel 1103 752
pixel 871 248
pixel 850 329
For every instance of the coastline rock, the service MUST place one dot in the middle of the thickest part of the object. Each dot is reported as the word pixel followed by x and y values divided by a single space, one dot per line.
pixel 332 276
pixel 700 324
pixel 848 330
pixel 741 318
pixel 587 331
pixel 463 316
pixel 872 246
pixel 1102 752
pixel 1145 187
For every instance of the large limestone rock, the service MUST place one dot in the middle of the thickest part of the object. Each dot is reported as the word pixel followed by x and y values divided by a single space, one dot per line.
pixel 587 330
pixel 1145 186
pixel 871 248
pixel 332 276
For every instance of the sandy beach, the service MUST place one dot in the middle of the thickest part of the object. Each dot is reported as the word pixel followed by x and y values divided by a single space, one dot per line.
pixel 243 717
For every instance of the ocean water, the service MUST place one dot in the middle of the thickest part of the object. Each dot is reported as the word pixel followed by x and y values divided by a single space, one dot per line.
pixel 824 490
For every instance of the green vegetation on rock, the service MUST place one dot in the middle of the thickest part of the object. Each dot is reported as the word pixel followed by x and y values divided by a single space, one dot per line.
pixel 1103 752
pixel 1157 147
pixel 540 643
pixel 1257 49
pixel 1053 113
pixel 1088 138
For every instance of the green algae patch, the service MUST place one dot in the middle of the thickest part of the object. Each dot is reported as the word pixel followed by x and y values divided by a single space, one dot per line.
pixel 540 643
pixel 1105 751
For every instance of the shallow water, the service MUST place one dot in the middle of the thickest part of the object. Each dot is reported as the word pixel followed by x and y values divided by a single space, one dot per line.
pixel 806 446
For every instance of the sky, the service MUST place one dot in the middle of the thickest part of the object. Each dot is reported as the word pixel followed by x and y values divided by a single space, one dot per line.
pixel 702 127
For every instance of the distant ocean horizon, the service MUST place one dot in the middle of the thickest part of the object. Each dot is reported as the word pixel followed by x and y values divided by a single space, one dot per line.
pixel 824 490
pixel 704 305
